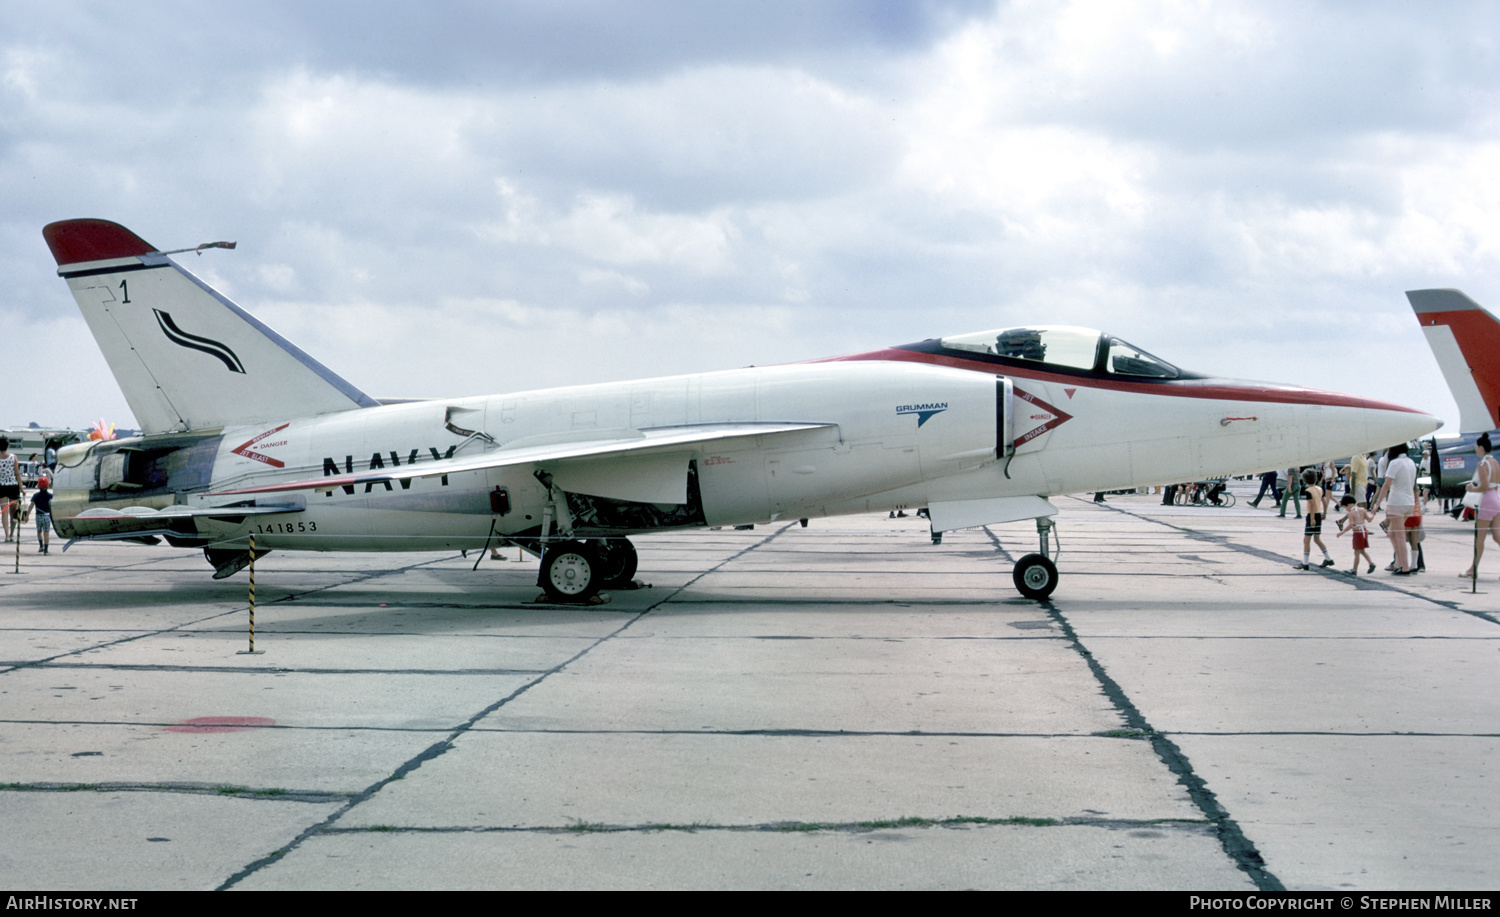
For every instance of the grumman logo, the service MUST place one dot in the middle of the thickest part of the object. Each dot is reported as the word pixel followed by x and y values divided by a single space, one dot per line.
pixel 924 412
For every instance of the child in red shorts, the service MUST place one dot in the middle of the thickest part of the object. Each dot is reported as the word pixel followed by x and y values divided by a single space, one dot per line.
pixel 1357 520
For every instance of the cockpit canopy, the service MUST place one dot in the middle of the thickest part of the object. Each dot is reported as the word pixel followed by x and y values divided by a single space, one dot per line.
pixel 1067 347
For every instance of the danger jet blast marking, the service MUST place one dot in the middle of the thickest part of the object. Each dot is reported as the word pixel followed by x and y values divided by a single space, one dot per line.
pixel 243 449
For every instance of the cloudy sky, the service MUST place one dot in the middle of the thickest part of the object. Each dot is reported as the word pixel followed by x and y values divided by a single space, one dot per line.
pixel 464 198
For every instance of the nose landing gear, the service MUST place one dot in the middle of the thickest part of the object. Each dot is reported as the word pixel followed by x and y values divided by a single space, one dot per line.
pixel 1035 575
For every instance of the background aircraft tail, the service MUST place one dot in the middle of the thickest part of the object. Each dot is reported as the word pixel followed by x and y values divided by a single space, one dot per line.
pixel 1465 338
pixel 186 357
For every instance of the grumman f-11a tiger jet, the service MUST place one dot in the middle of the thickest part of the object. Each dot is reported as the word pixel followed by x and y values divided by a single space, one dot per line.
pixel 244 434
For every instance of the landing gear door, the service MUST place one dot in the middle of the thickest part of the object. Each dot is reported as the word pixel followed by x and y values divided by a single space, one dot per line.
pixel 1005 437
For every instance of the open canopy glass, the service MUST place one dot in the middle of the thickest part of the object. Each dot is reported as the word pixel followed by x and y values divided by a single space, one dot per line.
pixel 1065 346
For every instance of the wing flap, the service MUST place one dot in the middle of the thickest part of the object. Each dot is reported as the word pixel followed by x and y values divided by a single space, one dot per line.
pixel 656 477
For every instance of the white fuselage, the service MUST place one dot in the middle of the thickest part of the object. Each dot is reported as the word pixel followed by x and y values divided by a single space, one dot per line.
pixel 899 434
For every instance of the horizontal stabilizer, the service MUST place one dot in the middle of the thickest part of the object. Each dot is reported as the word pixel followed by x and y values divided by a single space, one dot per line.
pixel 638 442
pixel 135 521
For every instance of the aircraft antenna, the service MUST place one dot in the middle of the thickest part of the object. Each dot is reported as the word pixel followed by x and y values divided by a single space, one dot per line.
pixel 199 248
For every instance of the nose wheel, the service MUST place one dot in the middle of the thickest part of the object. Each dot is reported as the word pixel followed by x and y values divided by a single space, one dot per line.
pixel 1035 575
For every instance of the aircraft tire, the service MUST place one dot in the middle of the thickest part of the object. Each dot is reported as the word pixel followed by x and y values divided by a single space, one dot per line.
pixel 617 563
pixel 1035 576
pixel 571 572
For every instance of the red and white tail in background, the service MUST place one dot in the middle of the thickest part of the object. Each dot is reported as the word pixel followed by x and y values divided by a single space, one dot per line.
pixel 1465 338
pixel 185 357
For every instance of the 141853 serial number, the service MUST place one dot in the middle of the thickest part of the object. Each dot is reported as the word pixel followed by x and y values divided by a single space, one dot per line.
pixel 283 528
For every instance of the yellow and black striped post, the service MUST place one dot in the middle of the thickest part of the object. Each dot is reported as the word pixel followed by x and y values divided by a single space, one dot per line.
pixel 1474 566
pixel 252 593
pixel 251 651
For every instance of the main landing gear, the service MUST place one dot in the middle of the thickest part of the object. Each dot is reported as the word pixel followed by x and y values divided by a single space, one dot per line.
pixel 574 571
pixel 1035 575
pixel 618 561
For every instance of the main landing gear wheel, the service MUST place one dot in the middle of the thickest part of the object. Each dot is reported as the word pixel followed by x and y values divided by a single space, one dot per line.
pixel 571 572
pixel 617 563
pixel 1035 576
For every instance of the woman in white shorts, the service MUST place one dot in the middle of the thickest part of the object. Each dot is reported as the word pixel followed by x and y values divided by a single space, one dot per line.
pixel 1487 483
pixel 1400 492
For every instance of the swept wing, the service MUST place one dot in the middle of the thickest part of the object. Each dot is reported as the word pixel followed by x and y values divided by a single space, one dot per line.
pixel 623 443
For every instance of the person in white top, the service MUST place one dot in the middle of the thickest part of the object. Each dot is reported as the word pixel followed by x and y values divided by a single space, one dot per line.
pixel 1487 483
pixel 10 489
pixel 1399 493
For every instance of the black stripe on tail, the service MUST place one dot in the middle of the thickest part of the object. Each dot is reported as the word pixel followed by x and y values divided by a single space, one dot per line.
pixel 192 341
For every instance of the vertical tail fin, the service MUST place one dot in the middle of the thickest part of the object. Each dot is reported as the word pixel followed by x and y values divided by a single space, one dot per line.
pixel 185 356
pixel 1465 338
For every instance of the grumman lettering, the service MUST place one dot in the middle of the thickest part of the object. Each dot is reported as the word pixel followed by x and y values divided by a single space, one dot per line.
pixel 331 467
pixel 924 412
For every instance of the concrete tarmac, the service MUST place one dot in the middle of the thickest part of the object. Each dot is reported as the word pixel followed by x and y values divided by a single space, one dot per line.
pixel 841 706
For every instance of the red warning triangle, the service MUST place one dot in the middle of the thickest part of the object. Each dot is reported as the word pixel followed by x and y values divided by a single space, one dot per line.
pixel 1043 414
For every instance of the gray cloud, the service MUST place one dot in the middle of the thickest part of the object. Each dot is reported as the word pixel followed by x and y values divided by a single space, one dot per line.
pixel 466 198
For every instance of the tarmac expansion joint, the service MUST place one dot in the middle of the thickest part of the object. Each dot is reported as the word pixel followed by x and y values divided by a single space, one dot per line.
pixel 1240 850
